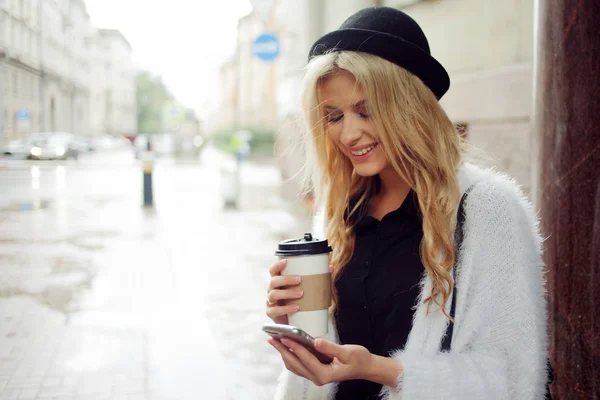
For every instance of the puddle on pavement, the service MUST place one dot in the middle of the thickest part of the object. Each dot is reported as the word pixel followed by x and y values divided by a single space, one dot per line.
pixel 80 240
pixel 63 265
pixel 55 297
pixel 28 205
pixel 101 202
pixel 67 280
pixel 43 204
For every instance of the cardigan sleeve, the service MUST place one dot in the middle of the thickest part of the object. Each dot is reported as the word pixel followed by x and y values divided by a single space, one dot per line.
pixel 499 342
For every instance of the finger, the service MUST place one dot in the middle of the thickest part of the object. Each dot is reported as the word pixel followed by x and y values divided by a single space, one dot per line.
pixel 284 280
pixel 273 342
pixel 277 311
pixel 291 360
pixel 311 362
pixel 288 358
pixel 331 269
pixel 276 268
pixel 287 294
pixel 331 349
pixel 288 365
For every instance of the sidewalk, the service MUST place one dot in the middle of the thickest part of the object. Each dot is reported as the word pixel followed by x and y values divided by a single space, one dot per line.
pixel 100 299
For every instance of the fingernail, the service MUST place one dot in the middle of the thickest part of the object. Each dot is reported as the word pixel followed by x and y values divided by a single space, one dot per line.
pixel 299 293
pixel 283 261
pixel 285 341
pixel 296 307
pixel 297 279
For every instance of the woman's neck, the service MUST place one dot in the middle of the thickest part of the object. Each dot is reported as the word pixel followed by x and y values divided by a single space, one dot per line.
pixel 392 193
pixel 393 187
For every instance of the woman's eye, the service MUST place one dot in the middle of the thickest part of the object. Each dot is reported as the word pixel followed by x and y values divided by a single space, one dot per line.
pixel 334 118
pixel 363 115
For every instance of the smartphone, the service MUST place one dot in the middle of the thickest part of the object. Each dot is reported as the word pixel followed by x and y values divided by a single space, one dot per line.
pixel 291 332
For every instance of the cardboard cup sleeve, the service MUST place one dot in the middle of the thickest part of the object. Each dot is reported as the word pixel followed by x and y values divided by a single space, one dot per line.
pixel 317 292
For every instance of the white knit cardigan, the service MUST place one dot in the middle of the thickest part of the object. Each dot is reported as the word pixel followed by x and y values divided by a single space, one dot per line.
pixel 499 345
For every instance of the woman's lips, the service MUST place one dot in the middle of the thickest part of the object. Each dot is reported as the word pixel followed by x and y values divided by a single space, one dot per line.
pixel 364 153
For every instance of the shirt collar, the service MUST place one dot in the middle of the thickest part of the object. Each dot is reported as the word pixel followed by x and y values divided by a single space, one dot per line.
pixel 408 209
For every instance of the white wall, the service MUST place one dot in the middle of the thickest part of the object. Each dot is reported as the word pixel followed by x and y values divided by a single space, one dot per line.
pixel 337 11
pixel 487 48
pixel 468 35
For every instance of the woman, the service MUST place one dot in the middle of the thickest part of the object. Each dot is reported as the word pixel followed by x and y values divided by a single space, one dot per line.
pixel 386 159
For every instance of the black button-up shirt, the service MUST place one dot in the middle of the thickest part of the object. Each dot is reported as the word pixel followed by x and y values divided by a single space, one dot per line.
pixel 378 288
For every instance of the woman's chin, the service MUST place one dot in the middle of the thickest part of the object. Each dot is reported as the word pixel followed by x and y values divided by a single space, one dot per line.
pixel 367 169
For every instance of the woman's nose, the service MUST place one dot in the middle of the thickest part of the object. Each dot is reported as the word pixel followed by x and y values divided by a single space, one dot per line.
pixel 351 131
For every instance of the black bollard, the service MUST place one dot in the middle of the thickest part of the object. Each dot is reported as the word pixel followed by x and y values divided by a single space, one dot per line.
pixel 148 197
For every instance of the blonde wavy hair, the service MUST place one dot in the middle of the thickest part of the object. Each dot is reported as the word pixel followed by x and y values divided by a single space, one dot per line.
pixel 420 143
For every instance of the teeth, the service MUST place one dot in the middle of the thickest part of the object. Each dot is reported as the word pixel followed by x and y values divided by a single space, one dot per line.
pixel 363 151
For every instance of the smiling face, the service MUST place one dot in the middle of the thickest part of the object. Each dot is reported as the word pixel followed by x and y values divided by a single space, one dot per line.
pixel 348 123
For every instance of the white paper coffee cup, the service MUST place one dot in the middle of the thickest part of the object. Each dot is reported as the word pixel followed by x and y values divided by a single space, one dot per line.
pixel 309 258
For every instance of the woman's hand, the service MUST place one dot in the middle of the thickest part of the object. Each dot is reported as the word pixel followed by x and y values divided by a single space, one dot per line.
pixel 275 310
pixel 277 292
pixel 350 361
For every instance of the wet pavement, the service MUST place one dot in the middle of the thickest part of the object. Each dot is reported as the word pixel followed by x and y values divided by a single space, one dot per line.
pixel 101 298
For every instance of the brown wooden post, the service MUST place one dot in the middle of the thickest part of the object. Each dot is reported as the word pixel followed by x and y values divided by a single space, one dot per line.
pixel 567 189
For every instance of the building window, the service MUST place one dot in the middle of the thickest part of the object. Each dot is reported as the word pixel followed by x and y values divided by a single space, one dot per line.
pixel 52 115
pixel 15 82
pixel 4 83
pixel 8 31
pixel 463 129
pixel 26 12
pixel 24 88
pixel 17 35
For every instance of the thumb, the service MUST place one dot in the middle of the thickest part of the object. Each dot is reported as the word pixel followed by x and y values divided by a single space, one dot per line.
pixel 330 348
pixel 330 268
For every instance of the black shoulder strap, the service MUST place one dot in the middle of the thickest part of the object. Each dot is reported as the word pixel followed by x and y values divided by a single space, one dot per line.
pixel 458 237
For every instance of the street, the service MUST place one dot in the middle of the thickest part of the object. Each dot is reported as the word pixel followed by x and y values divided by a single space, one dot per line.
pixel 101 298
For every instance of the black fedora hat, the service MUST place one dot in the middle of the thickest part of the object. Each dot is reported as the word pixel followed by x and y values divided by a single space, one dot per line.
pixel 390 34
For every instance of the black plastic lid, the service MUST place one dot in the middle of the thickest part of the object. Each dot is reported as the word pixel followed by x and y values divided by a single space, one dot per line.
pixel 301 247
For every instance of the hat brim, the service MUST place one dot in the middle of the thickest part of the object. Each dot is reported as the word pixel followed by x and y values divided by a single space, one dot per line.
pixel 391 48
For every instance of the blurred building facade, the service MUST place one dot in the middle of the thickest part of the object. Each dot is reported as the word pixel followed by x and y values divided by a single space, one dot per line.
pixel 112 84
pixel 46 69
pixel 247 95
pixel 226 113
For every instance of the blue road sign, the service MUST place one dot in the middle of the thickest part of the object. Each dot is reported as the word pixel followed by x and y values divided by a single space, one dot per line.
pixel 266 47
pixel 23 120
pixel 23 114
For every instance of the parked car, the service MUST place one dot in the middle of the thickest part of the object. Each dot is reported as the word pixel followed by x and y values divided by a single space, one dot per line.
pixel 16 149
pixel 54 146
pixel 84 143
pixel 109 142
